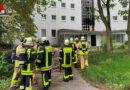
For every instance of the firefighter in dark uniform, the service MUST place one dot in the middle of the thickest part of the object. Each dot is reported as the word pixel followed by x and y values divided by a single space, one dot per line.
pixel 15 59
pixel 26 61
pixel 73 45
pixel 66 58
pixel 44 61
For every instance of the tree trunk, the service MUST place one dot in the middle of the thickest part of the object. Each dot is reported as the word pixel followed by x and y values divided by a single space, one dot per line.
pixel 128 29
pixel 109 39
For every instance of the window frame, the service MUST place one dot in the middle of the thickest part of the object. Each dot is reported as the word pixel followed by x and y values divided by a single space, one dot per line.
pixel 73 6
pixel 42 33
pixel 43 17
pixel 115 18
pixel 52 33
pixel 71 18
pixel 52 17
pixel 125 17
pixel 62 18
pixel 64 5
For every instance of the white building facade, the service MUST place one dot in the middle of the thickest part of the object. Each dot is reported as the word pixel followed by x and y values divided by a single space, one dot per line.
pixel 118 23
pixel 69 15
pixel 63 15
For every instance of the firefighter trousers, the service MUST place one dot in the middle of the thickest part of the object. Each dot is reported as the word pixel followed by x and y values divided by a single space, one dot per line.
pixel 84 61
pixel 26 82
pixel 16 75
pixel 46 78
pixel 68 75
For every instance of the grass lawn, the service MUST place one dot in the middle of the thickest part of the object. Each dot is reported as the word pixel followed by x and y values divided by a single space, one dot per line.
pixel 109 69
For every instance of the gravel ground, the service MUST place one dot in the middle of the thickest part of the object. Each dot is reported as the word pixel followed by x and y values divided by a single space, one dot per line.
pixel 58 84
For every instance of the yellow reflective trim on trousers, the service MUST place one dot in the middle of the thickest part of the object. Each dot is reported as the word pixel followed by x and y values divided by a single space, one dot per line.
pixel 21 87
pixel 65 77
pixel 13 78
pixel 82 66
pixel 38 61
pixel 60 58
pixel 46 68
pixel 34 52
pixel 44 82
pixel 30 86
pixel 86 63
pixel 71 75
pixel 64 65
pixel 41 51
pixel 49 80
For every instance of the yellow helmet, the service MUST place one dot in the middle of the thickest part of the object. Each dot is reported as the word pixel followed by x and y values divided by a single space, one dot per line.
pixel 66 42
pixel 82 38
pixel 71 40
pixel 29 40
pixel 76 39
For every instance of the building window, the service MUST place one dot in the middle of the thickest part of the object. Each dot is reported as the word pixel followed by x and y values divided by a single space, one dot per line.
pixel 63 18
pixel 53 4
pixel 72 18
pixel 125 18
pixel 43 33
pixel 53 17
pixel 63 5
pixel 118 38
pixel 72 5
pixel 53 33
pixel 43 17
pixel 114 17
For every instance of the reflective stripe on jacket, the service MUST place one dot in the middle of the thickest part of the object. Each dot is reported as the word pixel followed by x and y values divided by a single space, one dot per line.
pixel 44 58
pixel 83 48
pixel 66 57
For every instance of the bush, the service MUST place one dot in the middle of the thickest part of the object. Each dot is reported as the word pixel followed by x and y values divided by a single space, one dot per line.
pixel 6 46
pixel 5 68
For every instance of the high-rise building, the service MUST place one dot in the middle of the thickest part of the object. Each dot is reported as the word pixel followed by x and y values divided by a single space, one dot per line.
pixel 62 15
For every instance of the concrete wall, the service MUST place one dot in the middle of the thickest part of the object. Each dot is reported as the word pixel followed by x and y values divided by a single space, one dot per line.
pixel 49 24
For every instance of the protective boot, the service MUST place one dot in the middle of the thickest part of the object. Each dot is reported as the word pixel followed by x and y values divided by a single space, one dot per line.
pixel 45 88
pixel 71 78
pixel 14 88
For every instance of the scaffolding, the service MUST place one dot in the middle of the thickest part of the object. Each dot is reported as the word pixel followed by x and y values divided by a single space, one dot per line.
pixel 87 15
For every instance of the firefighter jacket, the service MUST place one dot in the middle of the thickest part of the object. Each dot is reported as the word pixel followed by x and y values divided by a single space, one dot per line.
pixel 66 56
pixel 26 59
pixel 83 47
pixel 44 57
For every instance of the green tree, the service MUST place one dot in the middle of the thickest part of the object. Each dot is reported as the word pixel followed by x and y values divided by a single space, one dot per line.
pixel 106 20
pixel 126 12
pixel 20 21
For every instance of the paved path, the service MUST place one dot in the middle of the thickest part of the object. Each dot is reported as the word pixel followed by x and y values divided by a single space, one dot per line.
pixel 57 83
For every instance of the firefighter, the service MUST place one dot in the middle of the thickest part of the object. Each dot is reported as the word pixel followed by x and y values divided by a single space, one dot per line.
pixel 77 51
pixel 15 60
pixel 44 61
pixel 66 58
pixel 73 45
pixel 26 61
pixel 83 47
